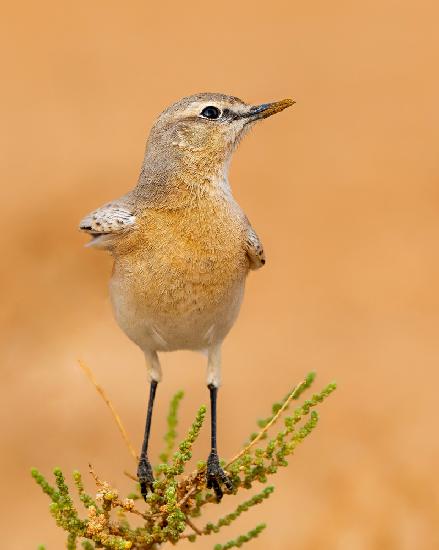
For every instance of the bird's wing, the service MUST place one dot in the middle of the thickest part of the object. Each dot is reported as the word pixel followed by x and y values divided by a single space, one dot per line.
pixel 108 220
pixel 254 249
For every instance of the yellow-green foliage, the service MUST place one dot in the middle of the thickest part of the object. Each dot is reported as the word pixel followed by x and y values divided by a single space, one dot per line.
pixel 180 497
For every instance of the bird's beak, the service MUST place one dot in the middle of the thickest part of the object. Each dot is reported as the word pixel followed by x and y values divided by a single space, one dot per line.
pixel 267 109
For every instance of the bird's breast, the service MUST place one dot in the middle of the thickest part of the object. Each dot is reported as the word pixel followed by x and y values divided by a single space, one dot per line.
pixel 186 264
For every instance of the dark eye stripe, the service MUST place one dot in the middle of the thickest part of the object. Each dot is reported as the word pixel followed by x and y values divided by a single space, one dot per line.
pixel 227 113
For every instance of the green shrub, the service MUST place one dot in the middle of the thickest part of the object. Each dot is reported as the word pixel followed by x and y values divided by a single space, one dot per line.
pixel 179 497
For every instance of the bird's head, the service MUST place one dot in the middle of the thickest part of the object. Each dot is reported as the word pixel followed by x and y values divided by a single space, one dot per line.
pixel 201 131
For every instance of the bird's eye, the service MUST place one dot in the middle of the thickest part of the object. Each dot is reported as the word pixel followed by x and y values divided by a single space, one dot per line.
pixel 211 112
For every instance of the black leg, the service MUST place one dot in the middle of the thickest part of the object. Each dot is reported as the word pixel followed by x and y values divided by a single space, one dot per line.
pixel 144 470
pixel 215 474
pixel 213 400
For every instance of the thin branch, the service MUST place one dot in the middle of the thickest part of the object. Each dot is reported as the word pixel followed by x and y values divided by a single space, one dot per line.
pixel 187 496
pixel 131 476
pixel 194 527
pixel 268 426
pixel 94 474
pixel 116 417
pixel 115 500
pixel 192 480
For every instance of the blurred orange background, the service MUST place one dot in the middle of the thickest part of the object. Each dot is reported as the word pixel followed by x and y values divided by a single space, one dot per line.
pixel 343 190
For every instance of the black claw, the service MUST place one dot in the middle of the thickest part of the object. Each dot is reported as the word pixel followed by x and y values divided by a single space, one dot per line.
pixel 216 476
pixel 145 476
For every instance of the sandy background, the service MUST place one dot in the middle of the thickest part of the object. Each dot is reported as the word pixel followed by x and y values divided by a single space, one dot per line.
pixel 343 190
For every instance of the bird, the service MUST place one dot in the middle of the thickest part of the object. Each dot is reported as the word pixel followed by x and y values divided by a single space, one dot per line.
pixel 182 247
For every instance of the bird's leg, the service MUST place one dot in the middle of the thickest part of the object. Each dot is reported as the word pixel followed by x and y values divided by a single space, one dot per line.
pixel 144 470
pixel 215 476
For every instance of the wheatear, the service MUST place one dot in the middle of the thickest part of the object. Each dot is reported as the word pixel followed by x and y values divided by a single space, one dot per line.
pixel 182 246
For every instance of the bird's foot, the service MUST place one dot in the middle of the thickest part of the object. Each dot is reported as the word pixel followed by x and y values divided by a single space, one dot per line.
pixel 216 476
pixel 145 476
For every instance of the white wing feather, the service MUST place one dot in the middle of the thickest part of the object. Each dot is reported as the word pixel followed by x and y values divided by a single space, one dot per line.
pixel 255 250
pixel 108 220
